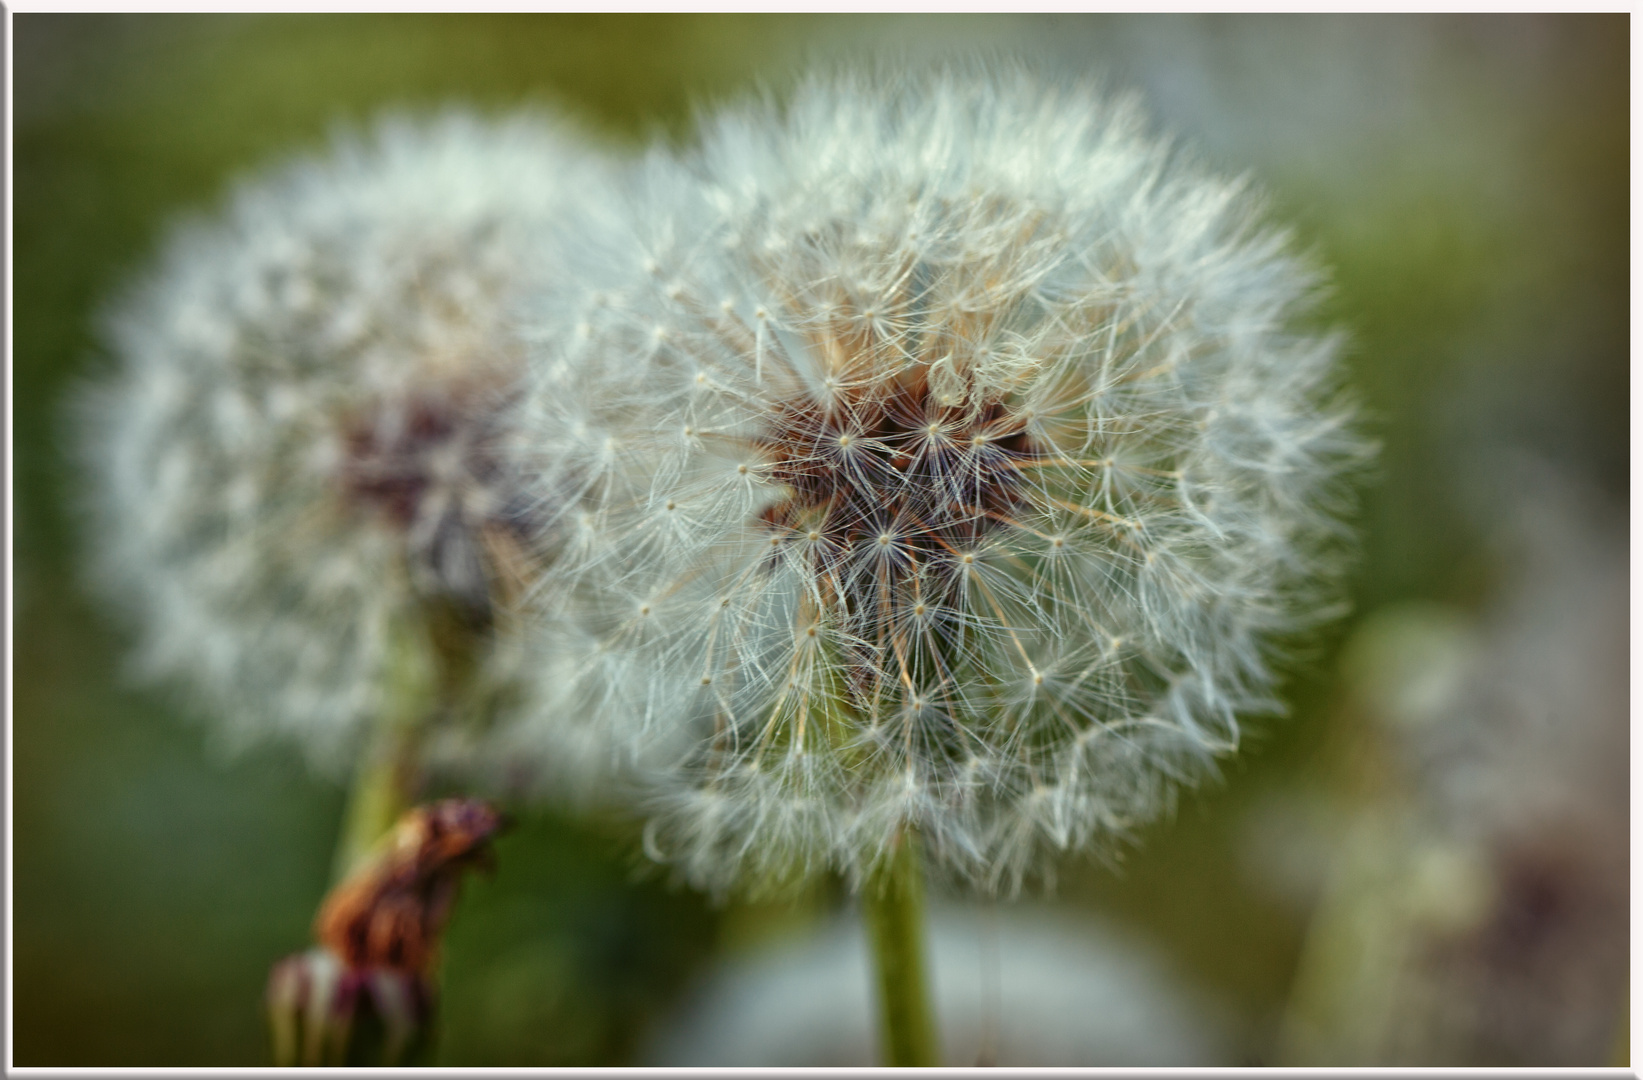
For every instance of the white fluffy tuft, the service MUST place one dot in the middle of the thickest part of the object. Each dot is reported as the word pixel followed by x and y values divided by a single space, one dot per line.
pixel 299 444
pixel 945 457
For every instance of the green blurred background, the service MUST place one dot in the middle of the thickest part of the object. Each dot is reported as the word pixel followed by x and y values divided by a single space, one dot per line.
pixel 1465 178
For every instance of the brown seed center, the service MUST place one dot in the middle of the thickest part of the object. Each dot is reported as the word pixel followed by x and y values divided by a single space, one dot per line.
pixel 895 492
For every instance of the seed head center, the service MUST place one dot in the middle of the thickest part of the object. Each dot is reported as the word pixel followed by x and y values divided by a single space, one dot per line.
pixel 894 505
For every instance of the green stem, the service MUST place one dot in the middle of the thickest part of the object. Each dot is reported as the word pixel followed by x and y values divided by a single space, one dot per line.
pixel 385 783
pixel 893 905
pixel 382 791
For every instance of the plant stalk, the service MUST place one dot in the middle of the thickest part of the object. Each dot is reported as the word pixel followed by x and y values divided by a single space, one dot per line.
pixel 385 783
pixel 893 905
pixel 382 790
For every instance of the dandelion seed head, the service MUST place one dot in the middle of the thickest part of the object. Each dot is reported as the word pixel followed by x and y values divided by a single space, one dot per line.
pixel 1026 385
pixel 303 442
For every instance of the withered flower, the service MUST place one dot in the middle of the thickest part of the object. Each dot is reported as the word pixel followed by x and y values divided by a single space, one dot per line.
pixel 379 932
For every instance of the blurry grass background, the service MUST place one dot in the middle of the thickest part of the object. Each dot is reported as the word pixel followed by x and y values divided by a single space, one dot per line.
pixel 1465 179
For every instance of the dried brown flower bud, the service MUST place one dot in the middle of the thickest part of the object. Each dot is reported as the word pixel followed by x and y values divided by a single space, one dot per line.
pixel 323 1012
pixel 390 912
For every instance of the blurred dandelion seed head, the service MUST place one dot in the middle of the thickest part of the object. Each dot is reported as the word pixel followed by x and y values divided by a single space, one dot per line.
pixel 429 465
pixel 303 440
pixel 946 458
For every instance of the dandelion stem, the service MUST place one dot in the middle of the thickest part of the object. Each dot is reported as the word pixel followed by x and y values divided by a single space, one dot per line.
pixel 381 792
pixel 893 905
pixel 349 1029
pixel 385 782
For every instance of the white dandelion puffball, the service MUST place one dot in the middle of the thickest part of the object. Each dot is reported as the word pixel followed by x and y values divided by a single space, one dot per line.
pixel 946 459
pixel 298 455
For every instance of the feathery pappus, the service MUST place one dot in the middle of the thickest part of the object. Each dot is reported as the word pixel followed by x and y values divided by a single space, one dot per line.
pixel 946 457
pixel 300 449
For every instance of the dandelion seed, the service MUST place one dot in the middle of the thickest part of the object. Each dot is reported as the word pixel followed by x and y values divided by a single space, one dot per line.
pixel 302 450
pixel 1055 330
